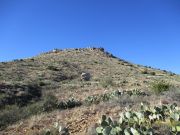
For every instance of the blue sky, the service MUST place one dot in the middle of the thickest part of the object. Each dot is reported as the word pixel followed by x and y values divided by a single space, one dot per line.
pixel 145 32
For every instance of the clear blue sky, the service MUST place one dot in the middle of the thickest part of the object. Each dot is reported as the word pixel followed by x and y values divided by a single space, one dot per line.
pixel 145 32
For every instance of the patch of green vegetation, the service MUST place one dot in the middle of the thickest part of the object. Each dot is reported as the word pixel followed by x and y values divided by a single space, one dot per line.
pixel 145 71
pixel 50 102
pixel 13 113
pixel 107 82
pixel 160 86
pixel 152 73
pixel 70 103
pixel 2 95
pixel 19 94
pixel 96 99
pixel 53 68
pixel 142 122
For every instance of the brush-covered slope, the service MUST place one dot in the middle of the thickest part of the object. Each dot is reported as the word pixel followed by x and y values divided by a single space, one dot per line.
pixel 26 82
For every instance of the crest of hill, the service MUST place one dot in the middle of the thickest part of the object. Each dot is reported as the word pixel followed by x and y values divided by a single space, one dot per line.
pixel 59 65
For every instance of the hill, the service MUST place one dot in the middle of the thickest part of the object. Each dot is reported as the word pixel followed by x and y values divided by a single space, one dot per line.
pixel 39 91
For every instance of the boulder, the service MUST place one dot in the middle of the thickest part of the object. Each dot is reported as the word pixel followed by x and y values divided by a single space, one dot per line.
pixel 56 50
pixel 85 76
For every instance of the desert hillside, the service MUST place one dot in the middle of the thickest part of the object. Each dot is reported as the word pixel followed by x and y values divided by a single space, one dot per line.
pixel 75 87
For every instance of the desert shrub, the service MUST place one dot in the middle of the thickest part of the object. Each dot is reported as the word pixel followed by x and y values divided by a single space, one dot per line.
pixel 161 129
pixel 9 115
pixel 41 83
pixel 96 99
pixel 145 71
pixel 53 68
pixel 152 73
pixel 172 74
pixel 16 60
pixel 33 109
pixel 19 94
pixel 160 86
pixel 106 82
pixel 2 95
pixel 70 103
pixel 165 71
pixel 34 90
pixel 172 94
pixel 13 113
pixel 30 92
pixel 49 102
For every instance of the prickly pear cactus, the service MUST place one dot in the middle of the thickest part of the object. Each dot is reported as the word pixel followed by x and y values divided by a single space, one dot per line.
pixel 141 122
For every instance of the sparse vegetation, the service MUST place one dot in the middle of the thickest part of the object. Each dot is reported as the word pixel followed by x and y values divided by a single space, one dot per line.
pixel 152 73
pixel 160 86
pixel 114 85
pixel 19 94
pixel 12 113
pixel 70 103
pixel 53 68
pixel 107 82
pixel 145 71
pixel 50 102
pixel 96 99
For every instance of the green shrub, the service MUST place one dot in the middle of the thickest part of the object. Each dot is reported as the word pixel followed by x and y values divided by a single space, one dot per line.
pixel 96 99
pixel 160 86
pixel 70 103
pixel 53 68
pixel 152 73
pixel 9 115
pixel 145 71
pixel 13 113
pixel 41 83
pixel 106 82
pixel 25 93
pixel 33 109
pixel 49 103
pixel 172 74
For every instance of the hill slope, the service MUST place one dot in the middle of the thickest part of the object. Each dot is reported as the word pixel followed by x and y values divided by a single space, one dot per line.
pixel 26 82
